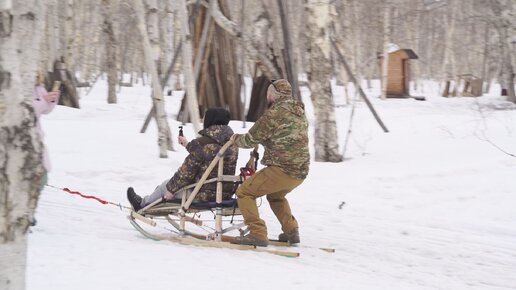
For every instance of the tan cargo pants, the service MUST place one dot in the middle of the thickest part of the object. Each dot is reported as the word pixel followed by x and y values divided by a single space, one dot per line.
pixel 275 184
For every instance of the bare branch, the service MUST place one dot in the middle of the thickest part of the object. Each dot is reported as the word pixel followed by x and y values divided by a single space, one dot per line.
pixel 233 30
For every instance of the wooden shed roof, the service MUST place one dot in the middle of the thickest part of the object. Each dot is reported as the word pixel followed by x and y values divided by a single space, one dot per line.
pixel 408 52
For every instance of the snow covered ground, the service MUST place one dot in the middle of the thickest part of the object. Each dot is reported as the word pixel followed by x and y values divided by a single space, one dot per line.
pixel 429 205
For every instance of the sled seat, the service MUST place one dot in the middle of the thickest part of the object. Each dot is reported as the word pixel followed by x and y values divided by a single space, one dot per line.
pixel 229 207
pixel 207 205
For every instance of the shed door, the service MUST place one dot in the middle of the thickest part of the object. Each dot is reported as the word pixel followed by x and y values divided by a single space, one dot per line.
pixel 406 76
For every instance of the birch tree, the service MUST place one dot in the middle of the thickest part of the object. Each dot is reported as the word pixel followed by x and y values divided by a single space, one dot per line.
pixel 503 22
pixel 326 145
pixel 157 90
pixel 69 36
pixel 448 67
pixel 50 39
pixel 191 91
pixel 386 43
pixel 110 42
pixel 21 168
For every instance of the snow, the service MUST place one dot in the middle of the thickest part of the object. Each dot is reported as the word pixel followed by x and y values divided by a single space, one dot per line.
pixel 429 205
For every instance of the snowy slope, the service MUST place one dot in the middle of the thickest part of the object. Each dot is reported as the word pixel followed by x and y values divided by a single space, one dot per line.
pixel 430 205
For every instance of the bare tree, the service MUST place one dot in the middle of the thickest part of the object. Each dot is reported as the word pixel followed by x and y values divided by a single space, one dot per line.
pixel 191 91
pixel 21 168
pixel 386 43
pixel 504 22
pixel 157 90
pixel 111 44
pixel 326 145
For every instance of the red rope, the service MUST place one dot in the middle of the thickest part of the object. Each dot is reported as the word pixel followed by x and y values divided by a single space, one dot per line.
pixel 86 196
pixel 89 197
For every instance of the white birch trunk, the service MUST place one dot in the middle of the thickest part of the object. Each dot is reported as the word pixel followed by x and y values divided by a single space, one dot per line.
pixel 178 85
pixel 165 33
pixel 21 167
pixel 69 35
pixel 448 67
pixel 386 41
pixel 111 44
pixel 153 28
pixel 503 21
pixel 191 91
pixel 356 46
pixel 326 145
pixel 158 100
pixel 52 37
pixel 61 25
pixel 91 69
pixel 79 12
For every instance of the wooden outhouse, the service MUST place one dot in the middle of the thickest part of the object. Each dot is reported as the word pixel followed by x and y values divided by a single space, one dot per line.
pixel 398 77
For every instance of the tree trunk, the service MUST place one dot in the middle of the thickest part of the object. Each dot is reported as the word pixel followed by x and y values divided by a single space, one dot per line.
pixel 69 36
pixel 288 52
pixel 178 85
pixel 326 145
pixel 502 23
pixel 111 44
pixel 484 74
pixel 51 38
pixel 21 168
pixel 266 64
pixel 191 92
pixel 89 68
pixel 448 67
pixel 386 43
pixel 157 91
pixel 153 28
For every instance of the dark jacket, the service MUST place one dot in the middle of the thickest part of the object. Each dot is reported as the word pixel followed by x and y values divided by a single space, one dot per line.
pixel 201 152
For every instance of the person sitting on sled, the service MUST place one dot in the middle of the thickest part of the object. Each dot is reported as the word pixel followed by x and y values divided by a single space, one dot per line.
pixel 201 151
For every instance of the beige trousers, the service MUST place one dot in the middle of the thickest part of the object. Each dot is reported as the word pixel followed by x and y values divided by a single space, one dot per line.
pixel 275 184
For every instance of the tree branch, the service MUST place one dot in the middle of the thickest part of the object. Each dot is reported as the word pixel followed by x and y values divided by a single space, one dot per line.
pixel 231 28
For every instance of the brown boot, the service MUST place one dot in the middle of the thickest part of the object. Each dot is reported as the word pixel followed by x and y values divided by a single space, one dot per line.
pixel 251 241
pixel 291 237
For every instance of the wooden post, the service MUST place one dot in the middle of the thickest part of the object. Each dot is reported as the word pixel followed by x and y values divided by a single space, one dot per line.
pixel 182 222
pixel 218 201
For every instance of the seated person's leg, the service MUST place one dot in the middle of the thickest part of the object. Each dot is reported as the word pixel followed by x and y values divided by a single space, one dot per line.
pixel 157 194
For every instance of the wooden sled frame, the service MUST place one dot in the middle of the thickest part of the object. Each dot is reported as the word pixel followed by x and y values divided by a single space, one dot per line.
pixel 186 209
pixel 217 238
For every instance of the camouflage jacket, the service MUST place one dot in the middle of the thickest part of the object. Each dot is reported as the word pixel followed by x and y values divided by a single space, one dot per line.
pixel 283 131
pixel 201 152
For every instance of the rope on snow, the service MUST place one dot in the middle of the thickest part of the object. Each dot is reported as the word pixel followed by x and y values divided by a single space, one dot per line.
pixel 89 197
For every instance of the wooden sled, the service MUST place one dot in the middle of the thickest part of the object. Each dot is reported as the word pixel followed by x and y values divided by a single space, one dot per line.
pixel 185 211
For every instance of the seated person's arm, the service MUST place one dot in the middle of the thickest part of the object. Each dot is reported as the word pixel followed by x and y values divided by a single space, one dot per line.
pixel 188 171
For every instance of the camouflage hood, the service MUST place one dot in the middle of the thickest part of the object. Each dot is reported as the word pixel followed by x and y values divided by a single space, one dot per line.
pixel 219 133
